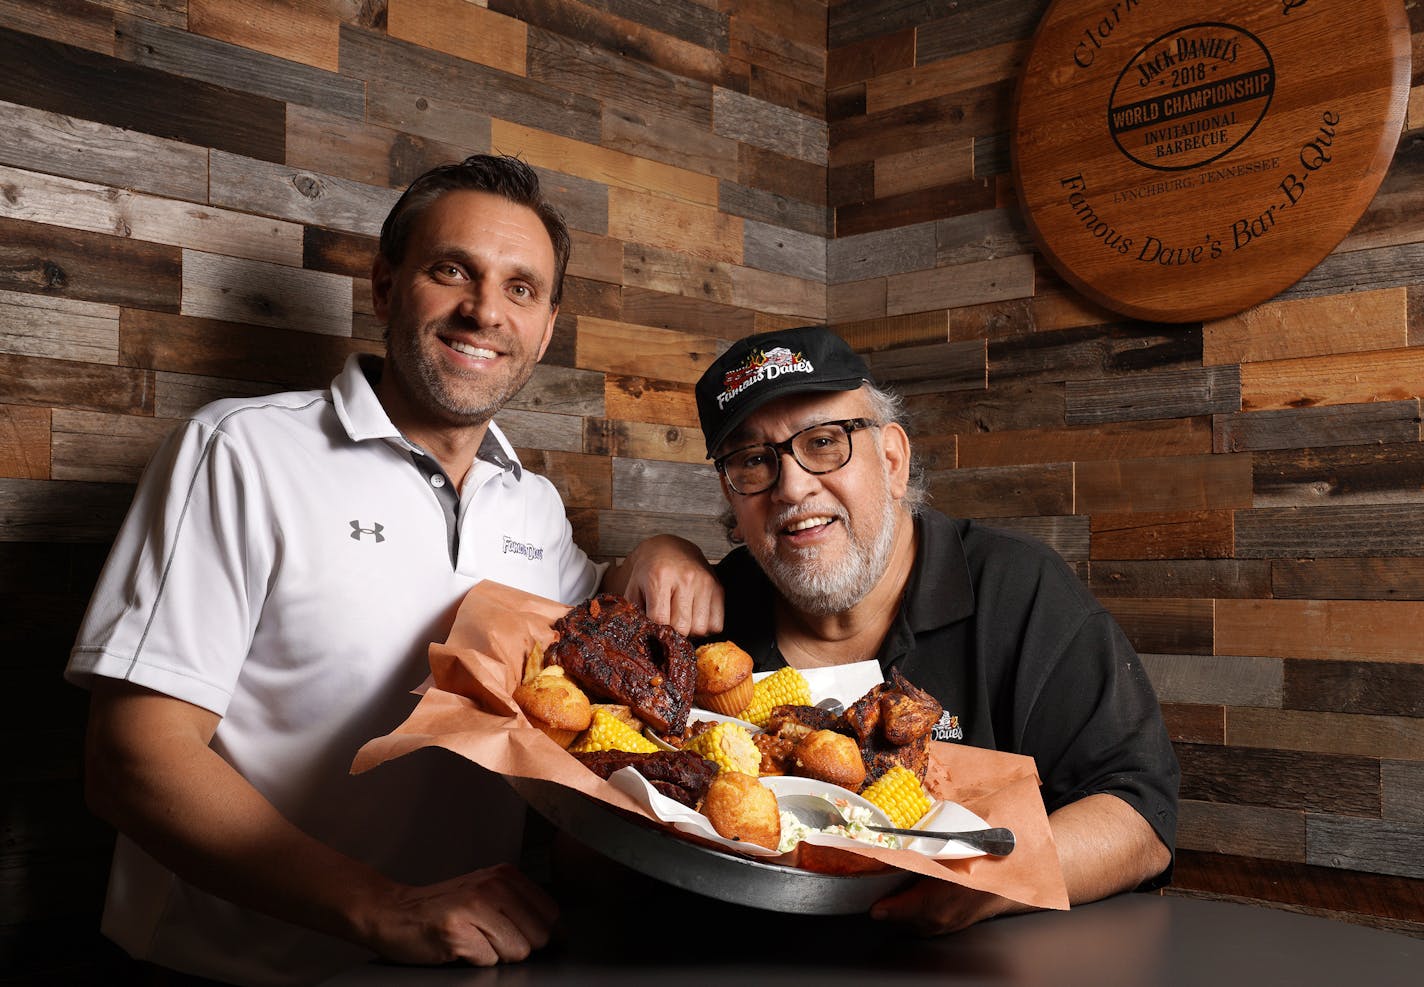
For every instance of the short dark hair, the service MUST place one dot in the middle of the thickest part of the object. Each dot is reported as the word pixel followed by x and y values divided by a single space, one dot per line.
pixel 497 174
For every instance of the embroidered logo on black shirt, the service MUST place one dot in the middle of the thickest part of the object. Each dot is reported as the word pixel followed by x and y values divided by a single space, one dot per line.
pixel 947 728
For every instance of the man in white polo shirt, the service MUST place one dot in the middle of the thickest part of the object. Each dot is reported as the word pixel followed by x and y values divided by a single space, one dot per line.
pixel 267 608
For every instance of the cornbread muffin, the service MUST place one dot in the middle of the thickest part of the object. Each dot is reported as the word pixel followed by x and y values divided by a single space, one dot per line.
pixel 742 808
pixel 829 756
pixel 724 678
pixel 555 705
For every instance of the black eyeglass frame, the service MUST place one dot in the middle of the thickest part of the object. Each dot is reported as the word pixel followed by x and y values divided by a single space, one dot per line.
pixel 785 448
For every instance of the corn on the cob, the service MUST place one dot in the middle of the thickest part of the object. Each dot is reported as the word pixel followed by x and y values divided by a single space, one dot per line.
pixel 608 733
pixel 728 746
pixel 783 687
pixel 899 793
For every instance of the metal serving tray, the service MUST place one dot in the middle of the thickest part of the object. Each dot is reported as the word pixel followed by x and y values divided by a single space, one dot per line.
pixel 694 867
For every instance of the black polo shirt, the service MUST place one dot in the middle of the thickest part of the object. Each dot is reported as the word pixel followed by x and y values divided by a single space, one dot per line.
pixel 1002 632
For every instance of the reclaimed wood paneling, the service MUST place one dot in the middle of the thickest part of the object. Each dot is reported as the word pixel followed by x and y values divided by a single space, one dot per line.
pixel 1349 630
pixel 1003 491
pixel 920 206
pixel 869 59
pixel 540 430
pixel 699 231
pixel 647 399
pixel 1094 351
pixel 1347 579
pixel 423 115
pixel 632 350
pixel 373 155
pixel 61 511
pixel 462 29
pixel 104 448
pixel 1191 724
pixel 879 334
pixel 583 481
pixel 1367 737
pixel 1274 834
pixel 970 27
pixel 304 31
pixel 1066 535
pixel 1382 688
pixel 643 133
pixel 1282 779
pixel 1343 425
pixel 879 254
pixel 62 79
pixel 234 290
pixel 619 532
pixel 762 124
pixel 932 369
pixel 1177 483
pixel 1366 474
pixel 24 442
pixel 1380 375
pixel 1184 535
pixel 978 236
pixel 58 328
pixel 1293 329
pixel 1342 531
pixel 642 440
pixel 667 488
pixel 298 195
pixel 1205 578
pixel 922 124
pixel 1351 842
pixel 1180 626
pixel 85 266
pixel 1129 440
pixel 1216 680
pixel 811 221
pixel 1170 394
pixel 962 284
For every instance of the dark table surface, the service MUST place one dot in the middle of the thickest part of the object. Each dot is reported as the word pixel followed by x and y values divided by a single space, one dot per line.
pixel 619 928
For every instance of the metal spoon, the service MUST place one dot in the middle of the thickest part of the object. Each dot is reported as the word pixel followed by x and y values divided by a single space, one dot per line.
pixel 818 813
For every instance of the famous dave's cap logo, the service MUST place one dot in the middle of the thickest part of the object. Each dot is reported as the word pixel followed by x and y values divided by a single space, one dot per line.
pixel 762 365
pixel 757 369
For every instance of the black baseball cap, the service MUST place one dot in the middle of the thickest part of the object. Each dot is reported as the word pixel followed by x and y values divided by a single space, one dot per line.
pixel 756 369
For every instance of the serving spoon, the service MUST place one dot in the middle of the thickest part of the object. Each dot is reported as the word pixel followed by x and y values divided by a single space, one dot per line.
pixel 818 813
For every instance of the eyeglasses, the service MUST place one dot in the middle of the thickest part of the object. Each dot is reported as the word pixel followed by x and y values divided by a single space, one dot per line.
pixel 817 449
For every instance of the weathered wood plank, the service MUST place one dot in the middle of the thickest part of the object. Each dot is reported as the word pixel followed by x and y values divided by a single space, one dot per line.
pixel 24 442
pixel 1277 834
pixel 920 206
pixel 1003 490
pixel 599 258
pixel 991 320
pixel 970 27
pixel 1002 409
pixel 1354 378
pixel 778 294
pixel 1129 440
pixel 857 301
pixel 62 79
pixel 1361 270
pixel 927 123
pixel 540 430
pixel 372 155
pixel 785 36
pixel 699 231
pixel 301 32
pixel 461 29
pixel 962 284
pixel 58 328
pixel 1178 483
pixel 932 369
pixel 673 273
pixel 1066 535
pixel 1366 844
pixel 1164 394
pixel 1374 688
pixel 608 167
pixel 1188 724
pixel 57 262
pixel 583 481
pixel 979 236
pixel 901 330
pixel 562 391
pixel 640 440
pixel 104 448
pixel 921 80
pixel 619 532
pixel 641 132
pixel 667 488
pixel 101 209
pixel 667 311
pixel 850 183
pixel 235 290
pixel 1093 351
pixel 762 124
pixel 649 400
pixel 61 511
pixel 784 251
pixel 212 348
pixel 776 210
pixel 701 24
pixel 1333 531
pixel 881 253
pixel 422 115
pixel 338 252
pixel 1204 578
pixel 1345 630
pixel 1373 737
pixel 180 395
pixel 1283 779
pixel 74 22
pixel 1055 308
pixel 644 351
pixel 870 59
pixel 1366 474
pixel 1215 680
pixel 37 140
pixel 574 65
pixel 1347 579
pixel 849 23
pixel 1295 328
pixel 1404 790
pixel 1163 535
pixel 1170 626
pixel 925 168
pixel 1378 422
pixel 693 59
pixel 368 56
pixel 298 195
pixel 192 56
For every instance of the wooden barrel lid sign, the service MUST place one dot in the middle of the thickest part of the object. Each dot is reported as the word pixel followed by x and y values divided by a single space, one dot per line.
pixel 1176 165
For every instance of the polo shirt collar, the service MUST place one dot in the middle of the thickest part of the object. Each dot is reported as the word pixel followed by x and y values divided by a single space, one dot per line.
pixel 362 415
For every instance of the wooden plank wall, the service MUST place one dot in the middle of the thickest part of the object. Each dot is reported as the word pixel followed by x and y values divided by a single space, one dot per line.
pixel 189 194
pixel 1247 496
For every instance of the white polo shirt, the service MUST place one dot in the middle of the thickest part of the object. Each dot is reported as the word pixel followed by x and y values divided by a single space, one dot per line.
pixel 286 563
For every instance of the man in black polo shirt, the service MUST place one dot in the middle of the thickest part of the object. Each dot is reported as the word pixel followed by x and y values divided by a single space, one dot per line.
pixel 841 562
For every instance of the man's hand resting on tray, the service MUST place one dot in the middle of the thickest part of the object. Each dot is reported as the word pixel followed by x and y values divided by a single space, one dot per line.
pixel 670 579
pixel 486 917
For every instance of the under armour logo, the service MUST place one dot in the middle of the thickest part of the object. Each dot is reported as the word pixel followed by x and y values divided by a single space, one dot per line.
pixel 376 528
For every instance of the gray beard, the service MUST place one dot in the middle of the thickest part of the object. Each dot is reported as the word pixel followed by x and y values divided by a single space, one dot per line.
pixel 815 589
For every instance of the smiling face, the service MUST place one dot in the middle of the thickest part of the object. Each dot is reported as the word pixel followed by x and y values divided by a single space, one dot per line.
pixel 824 540
pixel 467 309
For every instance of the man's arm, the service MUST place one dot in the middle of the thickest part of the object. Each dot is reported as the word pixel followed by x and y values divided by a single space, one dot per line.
pixel 1104 847
pixel 149 771
pixel 669 577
